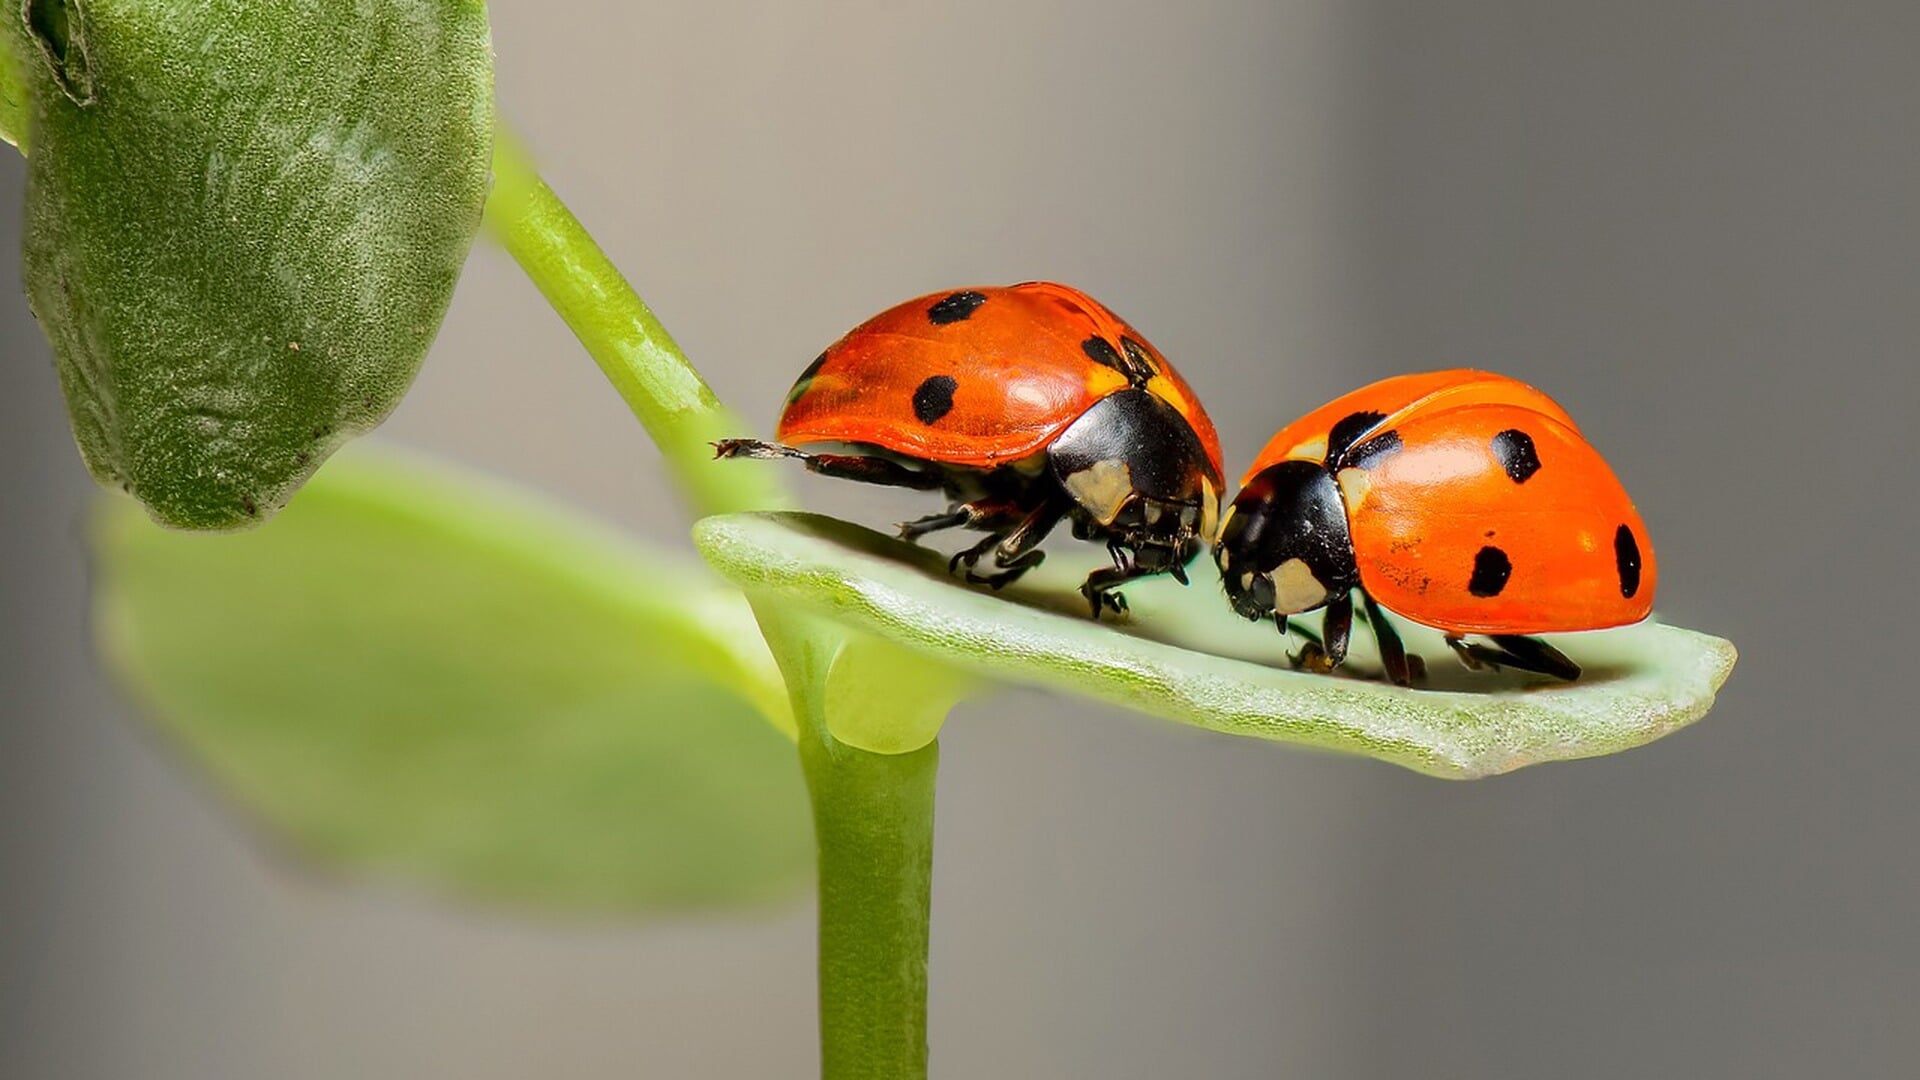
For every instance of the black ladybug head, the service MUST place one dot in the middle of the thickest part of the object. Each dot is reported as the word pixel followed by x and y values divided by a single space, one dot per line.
pixel 1138 474
pixel 1284 547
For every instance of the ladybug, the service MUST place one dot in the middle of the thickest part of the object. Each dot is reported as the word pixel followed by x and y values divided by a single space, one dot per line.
pixel 1025 405
pixel 1461 500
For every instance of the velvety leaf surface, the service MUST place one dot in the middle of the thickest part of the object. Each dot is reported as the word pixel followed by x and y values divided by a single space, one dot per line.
pixel 420 677
pixel 1184 655
pixel 14 107
pixel 244 221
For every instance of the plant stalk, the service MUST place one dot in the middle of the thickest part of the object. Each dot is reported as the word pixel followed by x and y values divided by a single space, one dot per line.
pixel 872 813
pixel 873 822
pixel 636 353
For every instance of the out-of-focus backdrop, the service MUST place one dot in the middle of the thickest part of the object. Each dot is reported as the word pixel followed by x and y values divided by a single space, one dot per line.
pixel 1696 224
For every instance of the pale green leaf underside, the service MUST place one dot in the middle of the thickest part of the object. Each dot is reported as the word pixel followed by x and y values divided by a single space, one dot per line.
pixel 1184 655
pixel 416 675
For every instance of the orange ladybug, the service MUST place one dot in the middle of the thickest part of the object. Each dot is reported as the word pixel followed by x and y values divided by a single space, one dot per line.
pixel 1462 500
pixel 1025 405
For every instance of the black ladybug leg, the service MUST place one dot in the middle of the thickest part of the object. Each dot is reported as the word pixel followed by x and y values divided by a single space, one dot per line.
pixel 1517 652
pixel 1336 629
pixel 1473 656
pixel 1532 654
pixel 1100 585
pixel 997 516
pixel 973 554
pixel 919 527
pixel 1019 551
pixel 1393 654
pixel 867 470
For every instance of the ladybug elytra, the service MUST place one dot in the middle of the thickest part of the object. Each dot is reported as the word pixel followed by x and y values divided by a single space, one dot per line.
pixel 1026 405
pixel 1461 500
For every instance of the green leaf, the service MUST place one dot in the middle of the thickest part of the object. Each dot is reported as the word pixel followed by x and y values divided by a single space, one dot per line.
pixel 417 676
pixel 14 101
pixel 1185 656
pixel 244 222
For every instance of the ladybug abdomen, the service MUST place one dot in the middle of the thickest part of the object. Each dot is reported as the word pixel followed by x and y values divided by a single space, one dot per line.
pixel 1497 520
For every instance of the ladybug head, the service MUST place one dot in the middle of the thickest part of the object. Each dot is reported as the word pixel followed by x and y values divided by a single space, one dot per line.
pixel 1284 547
pixel 1139 476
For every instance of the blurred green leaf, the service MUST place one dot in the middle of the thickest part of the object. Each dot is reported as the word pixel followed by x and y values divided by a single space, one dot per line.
pixel 14 106
pixel 1185 656
pixel 418 676
pixel 244 221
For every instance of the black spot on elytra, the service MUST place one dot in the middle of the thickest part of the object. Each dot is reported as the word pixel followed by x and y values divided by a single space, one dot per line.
pixel 1350 427
pixel 1626 557
pixel 1491 569
pixel 933 398
pixel 806 378
pixel 1513 449
pixel 1102 352
pixel 1372 449
pixel 958 307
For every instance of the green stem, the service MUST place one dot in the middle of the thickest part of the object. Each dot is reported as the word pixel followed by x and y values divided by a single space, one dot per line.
pixel 873 822
pixel 873 813
pixel 637 354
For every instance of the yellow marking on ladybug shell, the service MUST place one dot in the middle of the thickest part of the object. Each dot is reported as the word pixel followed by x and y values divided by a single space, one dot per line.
pixel 1354 486
pixel 1311 450
pixel 1103 488
pixel 1296 589
pixel 1164 388
pixel 1102 380
pixel 1209 511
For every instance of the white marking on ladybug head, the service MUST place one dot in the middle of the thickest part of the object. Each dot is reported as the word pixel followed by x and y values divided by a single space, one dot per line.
pixel 1103 488
pixel 1295 588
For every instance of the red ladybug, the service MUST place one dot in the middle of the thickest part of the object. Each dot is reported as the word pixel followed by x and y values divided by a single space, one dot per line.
pixel 1462 500
pixel 1025 405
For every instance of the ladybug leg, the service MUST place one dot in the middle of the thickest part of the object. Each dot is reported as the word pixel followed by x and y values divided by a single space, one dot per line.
pixel 1517 652
pixel 973 554
pixel 992 515
pixel 1473 656
pixel 1393 654
pixel 952 519
pixel 1336 629
pixel 1019 551
pixel 1532 654
pixel 867 470
pixel 1100 585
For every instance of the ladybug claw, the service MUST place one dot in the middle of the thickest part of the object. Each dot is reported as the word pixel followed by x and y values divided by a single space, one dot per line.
pixel 1098 601
pixel 992 581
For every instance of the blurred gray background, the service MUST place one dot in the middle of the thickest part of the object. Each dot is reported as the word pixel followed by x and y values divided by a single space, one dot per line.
pixel 1696 224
